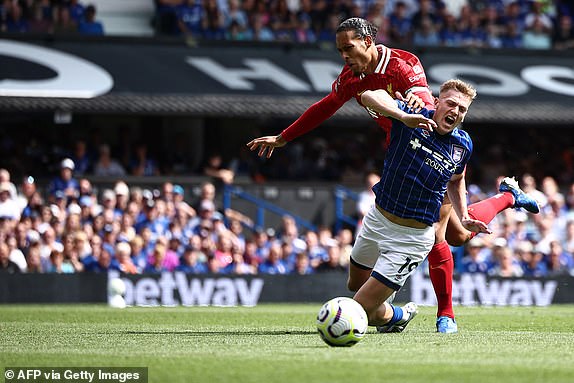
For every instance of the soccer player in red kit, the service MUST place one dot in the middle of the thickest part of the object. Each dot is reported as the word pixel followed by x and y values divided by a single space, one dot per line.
pixel 369 66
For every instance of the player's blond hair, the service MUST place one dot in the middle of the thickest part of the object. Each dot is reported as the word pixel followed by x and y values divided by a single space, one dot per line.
pixel 459 85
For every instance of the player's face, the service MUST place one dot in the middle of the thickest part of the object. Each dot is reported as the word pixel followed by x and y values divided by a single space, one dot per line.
pixel 451 108
pixel 354 51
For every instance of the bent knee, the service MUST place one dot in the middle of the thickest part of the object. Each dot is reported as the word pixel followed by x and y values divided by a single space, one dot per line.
pixel 458 238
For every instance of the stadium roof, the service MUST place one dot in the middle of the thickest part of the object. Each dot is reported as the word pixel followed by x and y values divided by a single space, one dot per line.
pixel 101 76
pixel 266 106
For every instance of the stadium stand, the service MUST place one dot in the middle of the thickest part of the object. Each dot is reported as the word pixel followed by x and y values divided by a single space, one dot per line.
pixel 171 225
pixel 76 228
pixel 536 24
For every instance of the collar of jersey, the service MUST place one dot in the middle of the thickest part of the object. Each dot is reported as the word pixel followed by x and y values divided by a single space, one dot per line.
pixel 384 60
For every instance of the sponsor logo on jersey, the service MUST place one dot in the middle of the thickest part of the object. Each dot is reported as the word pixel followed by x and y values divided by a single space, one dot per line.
pixel 434 159
pixel 416 77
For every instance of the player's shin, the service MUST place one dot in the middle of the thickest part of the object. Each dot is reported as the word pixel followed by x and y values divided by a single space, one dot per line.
pixel 486 210
pixel 441 267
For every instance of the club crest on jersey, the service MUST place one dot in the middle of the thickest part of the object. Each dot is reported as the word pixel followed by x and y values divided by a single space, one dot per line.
pixel 425 133
pixel 457 153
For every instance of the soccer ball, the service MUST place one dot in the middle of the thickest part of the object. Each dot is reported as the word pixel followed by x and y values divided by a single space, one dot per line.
pixel 116 290
pixel 117 302
pixel 116 287
pixel 342 322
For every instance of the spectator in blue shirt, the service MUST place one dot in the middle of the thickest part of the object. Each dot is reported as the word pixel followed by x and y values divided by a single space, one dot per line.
pixel 142 164
pixel 190 262
pixel 190 17
pixel 234 14
pixel 82 158
pixel 16 21
pixel 65 182
pixel 400 24
pixel 513 15
pixel 558 261
pixel 426 35
pixel 212 23
pixel 530 260
pixel 317 253
pixel 150 220
pixel 104 263
pixel 449 34
pixel 77 10
pixel 474 35
pixel 473 262
pixel 259 31
pixel 89 25
pixel 302 265
pixel 273 264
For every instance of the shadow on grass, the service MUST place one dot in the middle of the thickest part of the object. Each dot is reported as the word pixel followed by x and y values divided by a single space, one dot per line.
pixel 211 333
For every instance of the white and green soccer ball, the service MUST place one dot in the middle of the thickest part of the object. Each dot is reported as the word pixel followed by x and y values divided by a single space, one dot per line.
pixel 342 322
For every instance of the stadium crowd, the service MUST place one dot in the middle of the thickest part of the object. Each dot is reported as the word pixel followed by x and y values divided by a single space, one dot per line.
pixel 73 227
pixel 49 16
pixel 533 24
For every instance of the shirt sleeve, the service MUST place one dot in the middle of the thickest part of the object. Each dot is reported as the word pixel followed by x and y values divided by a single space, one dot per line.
pixel 313 116
pixel 412 78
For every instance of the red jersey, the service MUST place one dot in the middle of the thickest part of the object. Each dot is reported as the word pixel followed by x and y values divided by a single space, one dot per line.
pixel 397 70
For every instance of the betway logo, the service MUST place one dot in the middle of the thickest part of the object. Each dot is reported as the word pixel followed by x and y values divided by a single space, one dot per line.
pixel 173 289
pixel 322 73
pixel 476 289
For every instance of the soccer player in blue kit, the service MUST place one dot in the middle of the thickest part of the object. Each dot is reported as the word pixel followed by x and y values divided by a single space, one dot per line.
pixel 426 158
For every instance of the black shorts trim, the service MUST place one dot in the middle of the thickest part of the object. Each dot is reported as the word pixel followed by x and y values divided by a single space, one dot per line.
pixel 385 281
pixel 359 265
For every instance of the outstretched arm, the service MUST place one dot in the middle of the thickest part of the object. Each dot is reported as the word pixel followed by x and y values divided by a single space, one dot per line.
pixel 309 120
pixel 456 190
pixel 381 102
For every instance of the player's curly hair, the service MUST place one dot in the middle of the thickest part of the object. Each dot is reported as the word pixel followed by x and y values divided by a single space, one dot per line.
pixel 361 27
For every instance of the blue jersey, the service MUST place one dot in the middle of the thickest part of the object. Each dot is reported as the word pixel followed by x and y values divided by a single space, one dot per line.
pixel 417 168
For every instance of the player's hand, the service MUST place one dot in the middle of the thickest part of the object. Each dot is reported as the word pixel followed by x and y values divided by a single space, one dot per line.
pixel 266 144
pixel 475 226
pixel 418 121
pixel 414 102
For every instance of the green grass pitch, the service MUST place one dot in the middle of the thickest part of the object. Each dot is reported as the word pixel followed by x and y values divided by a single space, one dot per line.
pixel 279 343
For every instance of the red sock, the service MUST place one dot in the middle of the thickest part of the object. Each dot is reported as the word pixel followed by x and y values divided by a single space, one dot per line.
pixel 441 267
pixel 486 210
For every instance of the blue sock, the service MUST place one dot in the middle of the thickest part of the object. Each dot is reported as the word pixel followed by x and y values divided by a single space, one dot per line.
pixel 397 315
